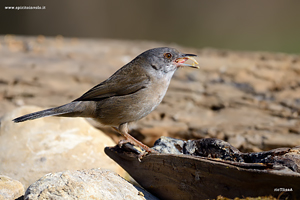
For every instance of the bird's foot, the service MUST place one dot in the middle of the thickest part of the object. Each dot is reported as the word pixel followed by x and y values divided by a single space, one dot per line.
pixel 142 150
pixel 123 129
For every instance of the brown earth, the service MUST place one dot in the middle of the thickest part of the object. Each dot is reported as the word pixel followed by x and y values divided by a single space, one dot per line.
pixel 250 99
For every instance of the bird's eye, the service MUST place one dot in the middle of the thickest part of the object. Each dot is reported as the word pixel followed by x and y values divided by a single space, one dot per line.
pixel 167 55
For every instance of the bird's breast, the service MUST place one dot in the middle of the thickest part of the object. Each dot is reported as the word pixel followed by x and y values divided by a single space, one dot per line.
pixel 156 92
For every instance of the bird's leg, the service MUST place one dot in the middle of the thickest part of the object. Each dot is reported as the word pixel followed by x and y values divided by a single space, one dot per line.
pixel 123 129
pixel 121 142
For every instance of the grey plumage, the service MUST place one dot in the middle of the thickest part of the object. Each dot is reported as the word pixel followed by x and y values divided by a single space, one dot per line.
pixel 73 109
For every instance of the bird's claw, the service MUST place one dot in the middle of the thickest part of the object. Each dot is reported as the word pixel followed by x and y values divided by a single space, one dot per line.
pixel 138 150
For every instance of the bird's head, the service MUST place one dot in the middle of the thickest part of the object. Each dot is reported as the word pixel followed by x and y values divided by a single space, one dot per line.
pixel 165 60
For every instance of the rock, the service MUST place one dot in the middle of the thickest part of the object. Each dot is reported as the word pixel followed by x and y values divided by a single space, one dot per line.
pixel 10 189
pixel 85 184
pixel 168 145
pixel 34 148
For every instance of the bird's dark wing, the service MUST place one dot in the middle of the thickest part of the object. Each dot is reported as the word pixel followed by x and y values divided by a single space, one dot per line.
pixel 125 81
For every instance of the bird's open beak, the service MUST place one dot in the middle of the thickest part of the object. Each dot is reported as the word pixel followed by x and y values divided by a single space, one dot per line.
pixel 180 61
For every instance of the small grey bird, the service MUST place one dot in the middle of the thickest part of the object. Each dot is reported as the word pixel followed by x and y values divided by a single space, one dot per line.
pixel 128 95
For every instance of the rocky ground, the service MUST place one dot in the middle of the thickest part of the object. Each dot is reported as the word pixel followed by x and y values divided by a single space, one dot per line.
pixel 250 99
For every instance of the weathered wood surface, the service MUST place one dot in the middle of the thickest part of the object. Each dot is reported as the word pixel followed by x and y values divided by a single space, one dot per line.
pixel 221 170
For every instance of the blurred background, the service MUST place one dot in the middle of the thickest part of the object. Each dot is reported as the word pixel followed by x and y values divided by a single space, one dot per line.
pixel 262 25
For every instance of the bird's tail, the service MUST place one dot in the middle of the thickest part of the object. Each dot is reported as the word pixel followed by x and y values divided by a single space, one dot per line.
pixel 64 110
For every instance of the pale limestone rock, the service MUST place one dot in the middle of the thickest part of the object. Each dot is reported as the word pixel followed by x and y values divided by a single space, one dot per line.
pixel 31 149
pixel 85 184
pixel 9 188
